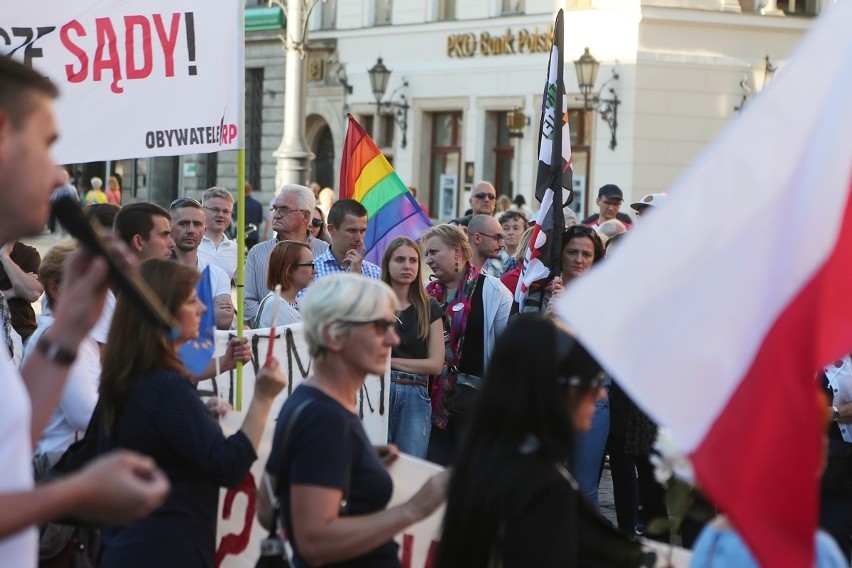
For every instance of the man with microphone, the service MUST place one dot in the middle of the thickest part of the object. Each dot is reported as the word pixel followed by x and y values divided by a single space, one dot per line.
pixel 114 489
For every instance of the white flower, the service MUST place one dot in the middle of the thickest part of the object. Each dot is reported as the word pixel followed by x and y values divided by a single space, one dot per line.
pixel 669 460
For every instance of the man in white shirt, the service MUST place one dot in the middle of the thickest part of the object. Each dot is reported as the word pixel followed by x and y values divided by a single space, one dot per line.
pixel 188 223
pixel 215 247
pixel 121 486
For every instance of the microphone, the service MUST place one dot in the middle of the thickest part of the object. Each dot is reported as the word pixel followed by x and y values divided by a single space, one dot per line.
pixel 70 214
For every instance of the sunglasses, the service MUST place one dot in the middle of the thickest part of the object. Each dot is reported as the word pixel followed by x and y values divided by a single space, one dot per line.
pixel 311 264
pixel 380 326
pixel 484 196
pixel 316 223
pixel 181 201
pixel 593 384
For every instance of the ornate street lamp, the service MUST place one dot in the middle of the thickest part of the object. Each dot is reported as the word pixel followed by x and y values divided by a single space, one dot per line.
pixel 587 72
pixel 379 78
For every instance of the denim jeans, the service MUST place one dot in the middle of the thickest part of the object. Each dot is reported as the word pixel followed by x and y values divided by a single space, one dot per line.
pixel 410 418
pixel 589 453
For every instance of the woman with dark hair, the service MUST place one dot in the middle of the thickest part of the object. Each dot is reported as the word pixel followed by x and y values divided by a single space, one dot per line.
pixel 148 404
pixel 420 352
pixel 512 499
pixel 291 265
pixel 582 247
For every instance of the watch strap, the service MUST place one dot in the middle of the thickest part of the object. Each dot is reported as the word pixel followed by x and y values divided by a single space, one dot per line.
pixel 54 352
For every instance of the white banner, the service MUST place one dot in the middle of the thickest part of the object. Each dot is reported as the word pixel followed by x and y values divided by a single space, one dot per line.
pixel 238 532
pixel 137 79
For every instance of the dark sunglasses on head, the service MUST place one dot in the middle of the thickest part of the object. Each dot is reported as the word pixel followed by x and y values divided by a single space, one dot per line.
pixel 181 200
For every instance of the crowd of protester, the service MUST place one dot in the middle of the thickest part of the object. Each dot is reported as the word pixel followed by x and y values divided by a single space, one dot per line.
pixel 512 403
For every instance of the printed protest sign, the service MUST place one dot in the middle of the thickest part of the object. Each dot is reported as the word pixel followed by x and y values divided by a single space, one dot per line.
pixel 137 79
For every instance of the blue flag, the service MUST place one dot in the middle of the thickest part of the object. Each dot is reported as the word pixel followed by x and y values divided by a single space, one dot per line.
pixel 197 353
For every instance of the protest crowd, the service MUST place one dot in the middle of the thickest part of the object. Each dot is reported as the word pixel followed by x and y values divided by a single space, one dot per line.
pixel 499 392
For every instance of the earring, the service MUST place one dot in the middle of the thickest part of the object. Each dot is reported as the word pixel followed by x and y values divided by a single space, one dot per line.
pixel 457 265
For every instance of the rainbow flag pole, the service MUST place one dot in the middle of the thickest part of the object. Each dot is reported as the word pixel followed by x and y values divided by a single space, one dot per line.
pixel 367 176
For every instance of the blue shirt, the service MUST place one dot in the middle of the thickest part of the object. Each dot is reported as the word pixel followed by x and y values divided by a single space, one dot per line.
pixel 326 264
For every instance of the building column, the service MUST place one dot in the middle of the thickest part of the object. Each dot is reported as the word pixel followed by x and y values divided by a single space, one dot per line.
pixel 293 157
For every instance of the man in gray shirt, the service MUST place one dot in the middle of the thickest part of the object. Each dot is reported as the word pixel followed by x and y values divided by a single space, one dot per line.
pixel 291 214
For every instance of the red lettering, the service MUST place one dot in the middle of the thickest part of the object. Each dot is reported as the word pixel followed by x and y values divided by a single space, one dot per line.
pixel 168 41
pixel 430 557
pixel 237 543
pixel 106 39
pixel 76 51
pixel 144 26
pixel 232 132
pixel 407 548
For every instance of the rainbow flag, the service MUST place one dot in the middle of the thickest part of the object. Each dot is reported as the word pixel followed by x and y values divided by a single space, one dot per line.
pixel 367 176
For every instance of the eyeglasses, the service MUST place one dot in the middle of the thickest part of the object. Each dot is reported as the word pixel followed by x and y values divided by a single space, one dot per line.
pixel 217 211
pixel 180 201
pixel 484 196
pixel 284 210
pixel 316 223
pixel 498 237
pixel 311 264
pixel 381 326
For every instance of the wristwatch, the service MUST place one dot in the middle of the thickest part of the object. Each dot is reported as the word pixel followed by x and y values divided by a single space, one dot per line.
pixel 835 414
pixel 54 352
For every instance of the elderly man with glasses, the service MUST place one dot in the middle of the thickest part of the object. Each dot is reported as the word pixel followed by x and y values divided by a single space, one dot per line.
pixel 291 214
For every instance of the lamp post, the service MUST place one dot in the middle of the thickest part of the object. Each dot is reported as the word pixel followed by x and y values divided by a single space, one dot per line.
pixel 587 72
pixel 379 78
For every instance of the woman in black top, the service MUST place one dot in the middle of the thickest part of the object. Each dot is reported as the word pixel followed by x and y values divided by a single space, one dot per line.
pixel 420 351
pixel 513 501
pixel 148 404
pixel 330 481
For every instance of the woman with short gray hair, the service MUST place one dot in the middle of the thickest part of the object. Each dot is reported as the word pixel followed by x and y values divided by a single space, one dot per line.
pixel 331 483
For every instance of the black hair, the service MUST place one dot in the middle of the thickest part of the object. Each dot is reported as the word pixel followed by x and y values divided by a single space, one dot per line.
pixel 520 201
pixel 137 219
pixel 525 393
pixel 342 208
pixel 580 231
pixel 103 213
pixel 17 82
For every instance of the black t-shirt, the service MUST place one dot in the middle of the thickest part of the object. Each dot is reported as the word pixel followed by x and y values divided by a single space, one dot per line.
pixel 410 346
pixel 328 447
pixel 474 334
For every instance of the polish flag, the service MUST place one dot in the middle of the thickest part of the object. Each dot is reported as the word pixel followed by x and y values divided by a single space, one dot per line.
pixel 716 312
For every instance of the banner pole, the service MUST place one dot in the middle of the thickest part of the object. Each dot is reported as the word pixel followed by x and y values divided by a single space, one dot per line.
pixel 241 210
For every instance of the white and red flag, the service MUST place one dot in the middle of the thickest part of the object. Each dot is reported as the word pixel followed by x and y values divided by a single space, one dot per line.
pixel 553 182
pixel 719 308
